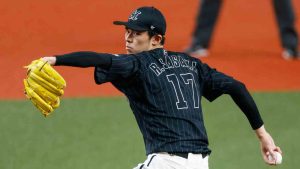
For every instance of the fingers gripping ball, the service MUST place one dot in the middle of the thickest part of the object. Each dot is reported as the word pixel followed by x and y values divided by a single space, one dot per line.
pixel 277 158
pixel 44 86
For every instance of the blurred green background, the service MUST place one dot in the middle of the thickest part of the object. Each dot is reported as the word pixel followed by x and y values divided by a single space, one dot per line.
pixel 101 133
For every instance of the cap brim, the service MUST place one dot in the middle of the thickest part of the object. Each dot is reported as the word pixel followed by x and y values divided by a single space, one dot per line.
pixel 130 25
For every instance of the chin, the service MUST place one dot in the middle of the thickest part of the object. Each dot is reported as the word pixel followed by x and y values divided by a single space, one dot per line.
pixel 130 52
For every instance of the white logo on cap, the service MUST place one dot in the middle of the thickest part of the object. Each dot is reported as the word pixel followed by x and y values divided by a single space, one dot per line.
pixel 152 27
pixel 134 15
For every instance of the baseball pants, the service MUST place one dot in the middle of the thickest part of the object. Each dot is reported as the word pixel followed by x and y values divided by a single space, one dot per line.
pixel 167 161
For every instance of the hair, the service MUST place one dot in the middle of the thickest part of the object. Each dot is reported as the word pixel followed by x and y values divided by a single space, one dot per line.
pixel 152 33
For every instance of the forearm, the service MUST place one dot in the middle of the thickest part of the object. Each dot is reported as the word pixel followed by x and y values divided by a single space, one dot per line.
pixel 244 100
pixel 82 59
pixel 261 132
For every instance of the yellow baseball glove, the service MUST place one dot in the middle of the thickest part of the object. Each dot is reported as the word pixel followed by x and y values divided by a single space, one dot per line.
pixel 43 86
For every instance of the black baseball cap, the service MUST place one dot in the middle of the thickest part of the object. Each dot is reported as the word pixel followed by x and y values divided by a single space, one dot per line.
pixel 145 19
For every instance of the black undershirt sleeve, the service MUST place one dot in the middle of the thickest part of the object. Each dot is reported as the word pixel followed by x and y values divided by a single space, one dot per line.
pixel 85 59
pixel 217 83
pixel 244 100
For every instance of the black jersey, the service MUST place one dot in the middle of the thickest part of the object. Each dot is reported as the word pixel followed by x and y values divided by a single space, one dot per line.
pixel 164 90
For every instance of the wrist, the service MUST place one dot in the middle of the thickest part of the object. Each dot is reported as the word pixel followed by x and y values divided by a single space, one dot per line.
pixel 261 132
pixel 50 59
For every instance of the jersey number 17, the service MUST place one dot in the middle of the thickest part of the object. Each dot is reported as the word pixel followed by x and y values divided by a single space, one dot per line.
pixel 191 86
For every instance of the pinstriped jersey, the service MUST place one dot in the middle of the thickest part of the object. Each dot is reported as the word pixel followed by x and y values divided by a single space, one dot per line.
pixel 164 90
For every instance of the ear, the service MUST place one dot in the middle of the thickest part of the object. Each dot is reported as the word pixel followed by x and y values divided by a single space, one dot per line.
pixel 156 39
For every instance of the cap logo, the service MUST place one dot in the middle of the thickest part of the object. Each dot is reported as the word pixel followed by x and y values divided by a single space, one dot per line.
pixel 152 27
pixel 134 15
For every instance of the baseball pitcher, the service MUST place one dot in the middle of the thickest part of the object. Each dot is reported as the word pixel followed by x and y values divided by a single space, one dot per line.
pixel 164 89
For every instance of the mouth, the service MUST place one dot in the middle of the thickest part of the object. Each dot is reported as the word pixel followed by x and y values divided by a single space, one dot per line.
pixel 128 47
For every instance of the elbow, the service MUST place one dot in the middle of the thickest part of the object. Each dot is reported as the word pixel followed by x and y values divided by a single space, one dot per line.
pixel 240 85
pixel 237 87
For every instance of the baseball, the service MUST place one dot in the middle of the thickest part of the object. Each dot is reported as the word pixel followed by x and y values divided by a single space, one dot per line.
pixel 277 158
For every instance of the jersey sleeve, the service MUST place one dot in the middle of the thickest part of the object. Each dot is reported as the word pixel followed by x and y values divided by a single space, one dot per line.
pixel 122 67
pixel 214 82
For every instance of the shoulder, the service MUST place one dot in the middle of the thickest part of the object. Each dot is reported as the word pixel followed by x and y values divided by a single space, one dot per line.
pixel 185 56
pixel 147 56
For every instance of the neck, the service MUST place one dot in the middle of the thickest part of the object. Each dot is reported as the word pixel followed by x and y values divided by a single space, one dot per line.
pixel 155 47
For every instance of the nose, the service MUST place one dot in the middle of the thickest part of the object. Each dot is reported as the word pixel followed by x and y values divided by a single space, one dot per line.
pixel 128 37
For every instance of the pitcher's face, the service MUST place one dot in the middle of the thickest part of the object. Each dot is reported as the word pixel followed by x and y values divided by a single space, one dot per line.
pixel 137 41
